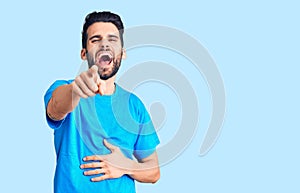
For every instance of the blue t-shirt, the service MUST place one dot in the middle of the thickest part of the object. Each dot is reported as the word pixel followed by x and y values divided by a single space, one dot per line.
pixel 120 118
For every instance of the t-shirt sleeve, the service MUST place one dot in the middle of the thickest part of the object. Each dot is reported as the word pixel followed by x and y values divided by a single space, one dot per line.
pixel 147 139
pixel 53 124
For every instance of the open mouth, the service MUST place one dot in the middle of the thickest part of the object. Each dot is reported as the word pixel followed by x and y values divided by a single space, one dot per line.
pixel 105 59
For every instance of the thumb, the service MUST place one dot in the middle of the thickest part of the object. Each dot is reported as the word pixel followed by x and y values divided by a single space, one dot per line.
pixel 101 86
pixel 109 146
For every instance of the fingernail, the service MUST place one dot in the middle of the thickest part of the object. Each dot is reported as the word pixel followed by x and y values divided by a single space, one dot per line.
pixel 84 159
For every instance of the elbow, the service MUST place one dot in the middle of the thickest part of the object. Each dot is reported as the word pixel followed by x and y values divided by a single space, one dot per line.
pixel 156 176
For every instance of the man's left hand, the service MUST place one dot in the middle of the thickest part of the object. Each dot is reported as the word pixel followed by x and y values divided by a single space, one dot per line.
pixel 113 165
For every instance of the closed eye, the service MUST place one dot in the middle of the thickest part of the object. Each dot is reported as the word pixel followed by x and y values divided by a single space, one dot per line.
pixel 113 40
pixel 95 40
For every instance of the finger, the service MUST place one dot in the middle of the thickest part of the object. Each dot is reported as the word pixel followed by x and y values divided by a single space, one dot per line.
pixel 87 84
pixel 102 164
pixel 90 83
pixel 91 165
pixel 101 85
pixel 93 73
pixel 83 86
pixel 94 172
pixel 93 70
pixel 94 158
pixel 100 178
pixel 109 145
pixel 77 90
pixel 97 78
pixel 101 89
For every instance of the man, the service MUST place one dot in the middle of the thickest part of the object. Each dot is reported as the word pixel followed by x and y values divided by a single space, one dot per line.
pixel 99 128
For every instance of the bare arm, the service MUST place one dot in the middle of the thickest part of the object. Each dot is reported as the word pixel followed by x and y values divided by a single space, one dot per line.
pixel 62 102
pixel 147 170
pixel 65 98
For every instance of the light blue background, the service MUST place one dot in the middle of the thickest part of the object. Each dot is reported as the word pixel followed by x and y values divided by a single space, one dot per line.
pixel 254 43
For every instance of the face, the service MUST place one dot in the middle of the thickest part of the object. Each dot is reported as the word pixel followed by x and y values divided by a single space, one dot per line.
pixel 103 49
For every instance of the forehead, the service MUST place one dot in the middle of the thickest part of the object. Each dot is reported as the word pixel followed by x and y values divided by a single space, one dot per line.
pixel 103 29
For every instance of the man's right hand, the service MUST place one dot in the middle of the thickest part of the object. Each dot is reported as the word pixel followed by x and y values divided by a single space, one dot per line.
pixel 88 83
pixel 65 98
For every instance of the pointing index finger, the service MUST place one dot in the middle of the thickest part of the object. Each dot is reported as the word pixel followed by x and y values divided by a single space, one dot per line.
pixel 93 73
pixel 93 69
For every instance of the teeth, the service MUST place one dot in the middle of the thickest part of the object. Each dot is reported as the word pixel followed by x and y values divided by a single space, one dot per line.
pixel 105 54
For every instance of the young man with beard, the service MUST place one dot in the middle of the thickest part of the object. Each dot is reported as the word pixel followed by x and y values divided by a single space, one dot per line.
pixel 99 128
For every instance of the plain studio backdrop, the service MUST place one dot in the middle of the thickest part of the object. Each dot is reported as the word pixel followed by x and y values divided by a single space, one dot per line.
pixel 255 45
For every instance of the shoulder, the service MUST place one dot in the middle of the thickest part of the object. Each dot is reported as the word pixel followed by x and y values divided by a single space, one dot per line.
pixel 61 82
pixel 58 83
pixel 53 86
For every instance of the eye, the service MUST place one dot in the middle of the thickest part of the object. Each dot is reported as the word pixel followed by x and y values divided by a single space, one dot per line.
pixel 112 39
pixel 95 40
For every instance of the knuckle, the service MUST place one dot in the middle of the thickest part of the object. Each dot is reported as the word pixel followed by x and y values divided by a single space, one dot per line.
pixel 77 79
pixel 95 157
pixel 102 165
pixel 82 75
pixel 98 171
pixel 108 172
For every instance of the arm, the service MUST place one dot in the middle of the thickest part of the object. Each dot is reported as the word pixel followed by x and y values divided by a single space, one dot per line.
pixel 65 98
pixel 115 165
pixel 62 102
pixel 147 170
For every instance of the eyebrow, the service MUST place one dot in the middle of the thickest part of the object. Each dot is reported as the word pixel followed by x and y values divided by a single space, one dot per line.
pixel 113 36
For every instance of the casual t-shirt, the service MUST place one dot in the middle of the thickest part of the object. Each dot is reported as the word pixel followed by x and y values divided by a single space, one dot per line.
pixel 121 118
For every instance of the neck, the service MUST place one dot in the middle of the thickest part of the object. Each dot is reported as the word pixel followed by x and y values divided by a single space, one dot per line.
pixel 110 86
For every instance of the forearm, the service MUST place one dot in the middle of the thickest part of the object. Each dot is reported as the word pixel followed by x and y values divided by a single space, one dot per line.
pixel 145 172
pixel 62 102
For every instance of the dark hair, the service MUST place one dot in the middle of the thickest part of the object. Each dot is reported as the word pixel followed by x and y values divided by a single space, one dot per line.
pixel 104 16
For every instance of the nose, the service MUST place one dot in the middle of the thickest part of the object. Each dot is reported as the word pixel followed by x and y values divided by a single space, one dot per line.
pixel 104 44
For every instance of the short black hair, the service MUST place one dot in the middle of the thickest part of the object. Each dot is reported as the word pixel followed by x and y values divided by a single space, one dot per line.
pixel 104 16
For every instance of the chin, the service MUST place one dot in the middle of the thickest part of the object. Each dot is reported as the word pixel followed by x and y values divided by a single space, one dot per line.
pixel 106 76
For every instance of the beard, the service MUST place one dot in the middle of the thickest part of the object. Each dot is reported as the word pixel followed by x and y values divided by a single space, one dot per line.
pixel 105 73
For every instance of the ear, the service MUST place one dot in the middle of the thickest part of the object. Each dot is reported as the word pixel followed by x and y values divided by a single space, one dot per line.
pixel 83 54
pixel 124 53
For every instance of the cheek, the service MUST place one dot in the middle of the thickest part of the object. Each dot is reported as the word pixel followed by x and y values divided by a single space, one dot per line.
pixel 92 50
pixel 118 50
pixel 116 46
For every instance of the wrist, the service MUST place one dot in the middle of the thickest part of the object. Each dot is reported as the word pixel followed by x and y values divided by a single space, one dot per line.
pixel 131 168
